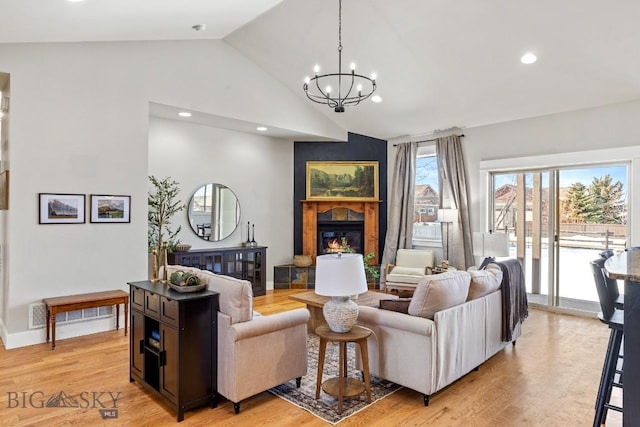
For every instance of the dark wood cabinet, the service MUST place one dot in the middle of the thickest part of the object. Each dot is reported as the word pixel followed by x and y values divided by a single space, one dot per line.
pixel 248 263
pixel 173 348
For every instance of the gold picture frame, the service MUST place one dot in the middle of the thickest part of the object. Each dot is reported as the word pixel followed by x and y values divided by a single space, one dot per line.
pixel 342 180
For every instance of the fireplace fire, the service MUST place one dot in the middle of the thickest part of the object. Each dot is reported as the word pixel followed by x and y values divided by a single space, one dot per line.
pixel 332 235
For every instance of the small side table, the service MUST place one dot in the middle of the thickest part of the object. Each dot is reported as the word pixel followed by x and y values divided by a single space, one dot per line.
pixel 342 386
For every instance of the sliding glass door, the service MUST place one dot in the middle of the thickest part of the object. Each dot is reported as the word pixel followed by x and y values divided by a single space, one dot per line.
pixel 558 220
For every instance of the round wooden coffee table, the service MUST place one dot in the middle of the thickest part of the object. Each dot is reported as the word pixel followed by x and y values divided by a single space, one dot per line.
pixel 342 386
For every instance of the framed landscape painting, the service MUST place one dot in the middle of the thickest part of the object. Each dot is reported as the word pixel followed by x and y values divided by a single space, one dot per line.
pixel 61 208
pixel 342 181
pixel 110 208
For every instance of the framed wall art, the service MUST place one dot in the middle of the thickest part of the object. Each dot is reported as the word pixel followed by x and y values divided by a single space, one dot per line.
pixel 342 181
pixel 110 208
pixel 61 208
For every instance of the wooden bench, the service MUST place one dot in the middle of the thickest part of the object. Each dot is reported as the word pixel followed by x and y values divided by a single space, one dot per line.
pixel 63 304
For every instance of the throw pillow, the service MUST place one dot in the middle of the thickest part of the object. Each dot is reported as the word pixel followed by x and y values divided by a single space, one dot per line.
pixel 438 292
pixel 401 305
pixel 484 282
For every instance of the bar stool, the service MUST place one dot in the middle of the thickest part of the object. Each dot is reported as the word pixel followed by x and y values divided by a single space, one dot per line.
pixel 612 284
pixel 614 318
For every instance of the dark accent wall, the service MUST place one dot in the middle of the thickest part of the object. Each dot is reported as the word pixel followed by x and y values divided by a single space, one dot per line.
pixel 356 148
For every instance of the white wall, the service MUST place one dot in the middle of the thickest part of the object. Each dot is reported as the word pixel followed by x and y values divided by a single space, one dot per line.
pixel 79 124
pixel 258 169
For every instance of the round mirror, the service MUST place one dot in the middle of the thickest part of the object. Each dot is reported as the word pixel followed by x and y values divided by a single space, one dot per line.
pixel 214 212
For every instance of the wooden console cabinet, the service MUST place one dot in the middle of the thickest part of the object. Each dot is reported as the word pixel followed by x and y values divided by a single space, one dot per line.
pixel 173 347
pixel 247 263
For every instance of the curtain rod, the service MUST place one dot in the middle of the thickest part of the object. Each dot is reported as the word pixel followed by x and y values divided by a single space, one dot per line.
pixel 429 140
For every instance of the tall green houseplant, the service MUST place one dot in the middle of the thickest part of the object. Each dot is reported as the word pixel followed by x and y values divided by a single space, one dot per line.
pixel 163 204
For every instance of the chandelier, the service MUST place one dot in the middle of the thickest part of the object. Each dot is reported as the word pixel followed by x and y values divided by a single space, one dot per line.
pixel 351 88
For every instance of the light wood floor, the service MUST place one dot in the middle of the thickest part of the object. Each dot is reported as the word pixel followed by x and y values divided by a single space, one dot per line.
pixel 550 378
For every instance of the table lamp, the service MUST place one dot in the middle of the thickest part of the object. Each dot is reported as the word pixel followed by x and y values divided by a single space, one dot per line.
pixel 340 276
pixel 490 245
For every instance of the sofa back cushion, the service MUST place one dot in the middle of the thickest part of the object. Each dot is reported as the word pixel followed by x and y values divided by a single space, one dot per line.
pixel 484 282
pixel 236 296
pixel 438 292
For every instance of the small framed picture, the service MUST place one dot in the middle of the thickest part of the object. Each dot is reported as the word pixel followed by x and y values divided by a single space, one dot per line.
pixel 61 208
pixel 110 208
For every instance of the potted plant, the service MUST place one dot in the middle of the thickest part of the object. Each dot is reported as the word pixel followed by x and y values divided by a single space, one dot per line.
pixel 372 272
pixel 163 204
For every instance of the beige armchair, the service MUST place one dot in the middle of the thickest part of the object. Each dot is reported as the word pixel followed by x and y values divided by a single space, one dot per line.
pixel 410 266
pixel 255 353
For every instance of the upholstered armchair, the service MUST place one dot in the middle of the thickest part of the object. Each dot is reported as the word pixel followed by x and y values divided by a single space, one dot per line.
pixel 410 266
pixel 255 352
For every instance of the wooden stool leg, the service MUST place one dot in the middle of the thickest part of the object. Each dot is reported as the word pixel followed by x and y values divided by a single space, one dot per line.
pixel 53 329
pixel 321 353
pixel 364 352
pixel 117 316
pixel 342 378
pixel 48 321
pixel 126 316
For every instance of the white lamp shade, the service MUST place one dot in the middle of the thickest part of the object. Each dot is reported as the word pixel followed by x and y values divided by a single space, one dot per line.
pixel 490 244
pixel 448 215
pixel 340 275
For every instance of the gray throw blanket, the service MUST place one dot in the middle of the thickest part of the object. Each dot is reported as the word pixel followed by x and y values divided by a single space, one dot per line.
pixel 514 297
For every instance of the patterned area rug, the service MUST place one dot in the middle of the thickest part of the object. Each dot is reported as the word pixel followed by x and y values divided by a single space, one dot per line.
pixel 326 407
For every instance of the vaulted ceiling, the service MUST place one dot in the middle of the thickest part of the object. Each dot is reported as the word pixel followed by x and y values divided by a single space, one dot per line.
pixel 440 63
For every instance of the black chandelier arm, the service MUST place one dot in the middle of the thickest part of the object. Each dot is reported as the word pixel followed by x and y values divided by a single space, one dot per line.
pixel 339 102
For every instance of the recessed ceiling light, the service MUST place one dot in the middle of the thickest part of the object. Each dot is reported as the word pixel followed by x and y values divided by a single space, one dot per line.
pixel 376 98
pixel 261 128
pixel 528 58
pixel 199 27
pixel 75 1
pixel 184 114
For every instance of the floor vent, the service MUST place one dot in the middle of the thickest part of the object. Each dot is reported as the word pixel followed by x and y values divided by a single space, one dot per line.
pixel 38 315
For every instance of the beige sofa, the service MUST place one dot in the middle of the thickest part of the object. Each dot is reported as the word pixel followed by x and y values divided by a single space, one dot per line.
pixel 427 354
pixel 255 353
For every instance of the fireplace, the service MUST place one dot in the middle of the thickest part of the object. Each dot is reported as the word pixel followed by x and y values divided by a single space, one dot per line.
pixel 324 221
pixel 332 234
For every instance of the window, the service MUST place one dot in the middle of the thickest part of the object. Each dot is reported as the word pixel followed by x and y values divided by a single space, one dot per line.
pixel 558 220
pixel 202 201
pixel 426 227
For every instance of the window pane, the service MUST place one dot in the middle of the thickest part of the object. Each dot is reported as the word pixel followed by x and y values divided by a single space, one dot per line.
pixel 425 225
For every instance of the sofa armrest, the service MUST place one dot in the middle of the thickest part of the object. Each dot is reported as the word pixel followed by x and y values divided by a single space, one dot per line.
pixel 392 319
pixel 262 325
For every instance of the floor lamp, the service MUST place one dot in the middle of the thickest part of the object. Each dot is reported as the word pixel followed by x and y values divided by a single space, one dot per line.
pixel 447 216
pixel 490 245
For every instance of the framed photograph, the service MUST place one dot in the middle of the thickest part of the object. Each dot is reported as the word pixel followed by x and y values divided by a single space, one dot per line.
pixel 61 208
pixel 110 208
pixel 4 190
pixel 342 181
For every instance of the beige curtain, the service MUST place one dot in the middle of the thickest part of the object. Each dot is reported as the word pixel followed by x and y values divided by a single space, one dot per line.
pixel 401 200
pixel 453 195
